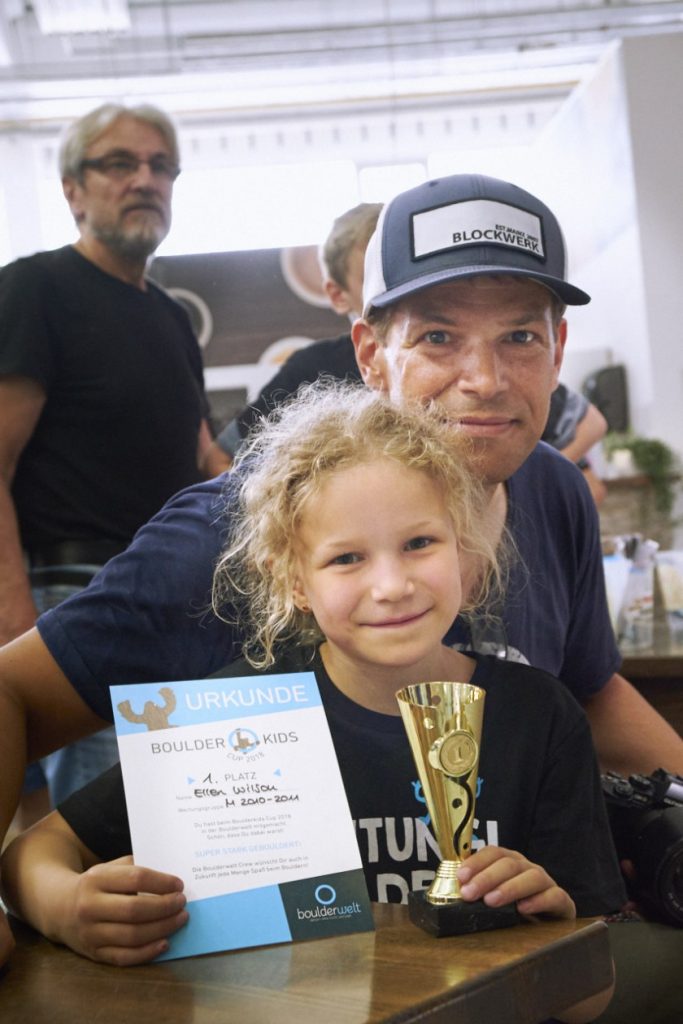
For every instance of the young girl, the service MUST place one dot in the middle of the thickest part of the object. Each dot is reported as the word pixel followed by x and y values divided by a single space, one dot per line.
pixel 356 542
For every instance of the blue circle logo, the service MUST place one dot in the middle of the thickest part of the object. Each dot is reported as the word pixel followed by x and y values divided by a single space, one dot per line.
pixel 325 894
pixel 243 741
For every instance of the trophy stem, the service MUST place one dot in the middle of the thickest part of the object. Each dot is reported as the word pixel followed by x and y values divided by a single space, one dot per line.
pixel 444 721
pixel 445 889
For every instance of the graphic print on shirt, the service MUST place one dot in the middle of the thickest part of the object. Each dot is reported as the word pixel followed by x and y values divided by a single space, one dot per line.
pixel 402 854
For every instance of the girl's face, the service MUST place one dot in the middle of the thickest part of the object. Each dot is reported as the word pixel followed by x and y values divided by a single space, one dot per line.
pixel 378 564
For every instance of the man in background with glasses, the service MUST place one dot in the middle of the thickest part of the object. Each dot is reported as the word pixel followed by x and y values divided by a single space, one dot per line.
pixel 93 356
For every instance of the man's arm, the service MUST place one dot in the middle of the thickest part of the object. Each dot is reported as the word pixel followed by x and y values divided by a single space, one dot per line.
pixel 21 403
pixel 210 458
pixel 216 461
pixel 628 734
pixel 39 712
pixel 574 425
pixel 589 430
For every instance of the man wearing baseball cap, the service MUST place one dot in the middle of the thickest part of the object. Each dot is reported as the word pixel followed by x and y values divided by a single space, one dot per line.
pixel 461 226
pixel 464 297
pixel 464 294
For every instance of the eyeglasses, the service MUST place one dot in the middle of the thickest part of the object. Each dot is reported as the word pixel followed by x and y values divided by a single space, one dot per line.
pixel 119 166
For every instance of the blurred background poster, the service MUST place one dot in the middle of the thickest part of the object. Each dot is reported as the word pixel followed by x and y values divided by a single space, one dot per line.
pixel 250 311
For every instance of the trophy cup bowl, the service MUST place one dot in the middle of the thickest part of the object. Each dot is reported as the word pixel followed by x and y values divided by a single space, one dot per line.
pixel 444 723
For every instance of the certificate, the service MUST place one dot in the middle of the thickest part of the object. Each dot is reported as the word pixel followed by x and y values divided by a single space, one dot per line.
pixel 234 786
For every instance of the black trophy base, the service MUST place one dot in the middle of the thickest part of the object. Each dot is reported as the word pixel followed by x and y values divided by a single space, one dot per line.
pixel 461 918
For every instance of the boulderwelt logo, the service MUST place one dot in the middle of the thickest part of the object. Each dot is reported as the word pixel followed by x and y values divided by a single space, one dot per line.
pixel 328 904
pixel 325 896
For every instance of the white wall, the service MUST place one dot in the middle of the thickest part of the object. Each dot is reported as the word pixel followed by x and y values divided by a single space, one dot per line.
pixel 610 164
pixel 21 212
pixel 653 76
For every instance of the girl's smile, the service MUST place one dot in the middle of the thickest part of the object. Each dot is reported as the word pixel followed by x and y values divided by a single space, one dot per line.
pixel 378 566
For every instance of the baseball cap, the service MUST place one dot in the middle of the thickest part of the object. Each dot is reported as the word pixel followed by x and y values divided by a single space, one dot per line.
pixel 461 226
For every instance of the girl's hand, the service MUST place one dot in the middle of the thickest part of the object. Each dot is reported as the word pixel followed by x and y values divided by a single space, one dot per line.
pixel 120 913
pixel 499 876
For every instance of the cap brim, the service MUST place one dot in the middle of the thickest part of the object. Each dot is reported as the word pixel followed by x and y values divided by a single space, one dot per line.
pixel 567 293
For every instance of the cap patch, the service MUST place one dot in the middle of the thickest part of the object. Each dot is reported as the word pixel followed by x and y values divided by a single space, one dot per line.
pixel 476 222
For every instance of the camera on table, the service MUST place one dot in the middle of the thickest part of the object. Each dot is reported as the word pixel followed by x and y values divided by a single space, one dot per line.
pixel 646 817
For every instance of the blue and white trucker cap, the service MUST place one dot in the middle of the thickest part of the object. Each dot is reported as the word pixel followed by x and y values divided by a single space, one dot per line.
pixel 461 226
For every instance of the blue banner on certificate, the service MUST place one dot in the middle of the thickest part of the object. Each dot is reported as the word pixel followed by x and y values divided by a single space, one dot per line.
pixel 234 786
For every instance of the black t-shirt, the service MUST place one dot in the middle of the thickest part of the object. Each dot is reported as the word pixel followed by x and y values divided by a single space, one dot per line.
pixel 567 409
pixel 122 372
pixel 538 791
pixel 334 357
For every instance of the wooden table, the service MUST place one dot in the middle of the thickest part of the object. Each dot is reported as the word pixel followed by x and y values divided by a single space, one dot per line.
pixel 397 974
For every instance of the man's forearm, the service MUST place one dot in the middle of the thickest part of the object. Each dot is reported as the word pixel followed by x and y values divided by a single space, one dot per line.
pixel 12 757
pixel 40 711
pixel 629 735
pixel 216 461
pixel 591 429
pixel 17 610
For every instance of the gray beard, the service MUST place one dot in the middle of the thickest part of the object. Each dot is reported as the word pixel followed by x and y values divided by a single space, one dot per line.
pixel 131 246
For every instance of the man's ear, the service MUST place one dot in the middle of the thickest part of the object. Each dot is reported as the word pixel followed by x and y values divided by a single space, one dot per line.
pixel 72 193
pixel 560 342
pixel 339 298
pixel 370 355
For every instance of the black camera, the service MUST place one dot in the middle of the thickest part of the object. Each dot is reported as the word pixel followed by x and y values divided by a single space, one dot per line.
pixel 646 817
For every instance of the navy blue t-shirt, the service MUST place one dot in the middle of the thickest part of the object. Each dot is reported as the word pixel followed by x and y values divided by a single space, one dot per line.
pixel 146 617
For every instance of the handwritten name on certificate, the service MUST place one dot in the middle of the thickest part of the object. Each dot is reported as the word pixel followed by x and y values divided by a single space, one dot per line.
pixel 234 786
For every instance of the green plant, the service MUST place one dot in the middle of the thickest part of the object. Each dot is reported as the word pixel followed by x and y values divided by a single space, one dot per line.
pixel 655 460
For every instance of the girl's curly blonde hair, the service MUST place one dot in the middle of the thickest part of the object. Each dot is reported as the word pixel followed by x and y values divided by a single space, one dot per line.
pixel 329 426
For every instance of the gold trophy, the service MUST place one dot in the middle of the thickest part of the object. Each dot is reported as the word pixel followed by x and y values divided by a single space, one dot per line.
pixel 444 725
